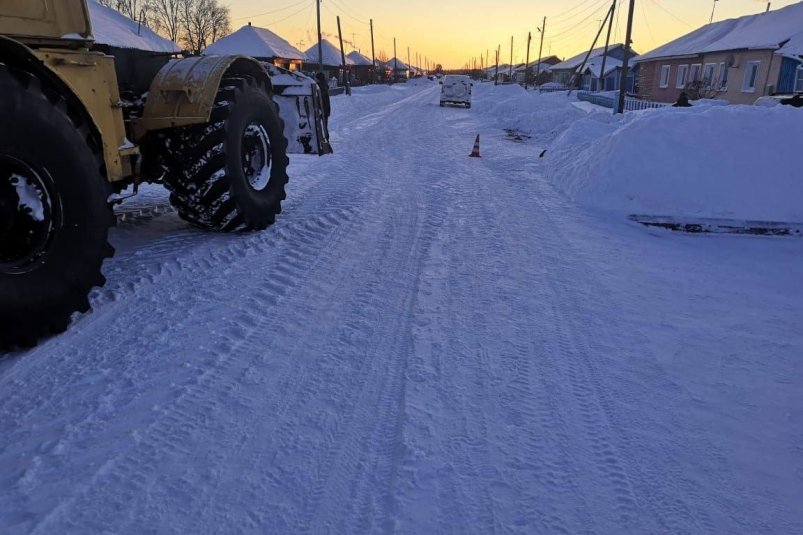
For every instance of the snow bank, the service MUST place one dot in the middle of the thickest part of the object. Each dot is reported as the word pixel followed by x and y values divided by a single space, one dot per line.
pixel 511 107
pixel 112 28
pixel 708 161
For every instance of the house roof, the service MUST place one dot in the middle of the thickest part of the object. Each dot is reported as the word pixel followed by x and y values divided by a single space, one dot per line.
pixel 400 65
pixel 774 30
pixel 112 28
pixel 256 42
pixel 594 66
pixel 576 61
pixel 546 64
pixel 359 59
pixel 331 54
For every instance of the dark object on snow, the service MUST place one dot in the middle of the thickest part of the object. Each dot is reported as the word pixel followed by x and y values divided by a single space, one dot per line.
pixel 683 101
pixel 543 152
pixel 327 104
pixel 796 101
pixel 704 225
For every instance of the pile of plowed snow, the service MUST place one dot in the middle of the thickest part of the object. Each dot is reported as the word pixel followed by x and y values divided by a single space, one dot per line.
pixel 738 162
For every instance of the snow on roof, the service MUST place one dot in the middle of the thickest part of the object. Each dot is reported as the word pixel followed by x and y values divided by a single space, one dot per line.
pixel 763 31
pixel 112 28
pixel 594 66
pixel 255 42
pixel 400 65
pixel 545 67
pixel 331 54
pixel 358 58
pixel 576 61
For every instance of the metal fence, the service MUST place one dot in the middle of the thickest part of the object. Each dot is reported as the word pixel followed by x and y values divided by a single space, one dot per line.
pixel 608 101
pixel 552 89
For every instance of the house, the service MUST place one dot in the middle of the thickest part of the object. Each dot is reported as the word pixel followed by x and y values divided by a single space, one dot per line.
pixel 259 43
pixel 541 69
pixel 568 71
pixel 332 60
pixel 398 69
pixel 362 71
pixel 737 60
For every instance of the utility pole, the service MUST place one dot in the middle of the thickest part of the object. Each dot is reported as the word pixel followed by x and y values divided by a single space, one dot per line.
pixel 408 63
pixel 395 61
pixel 510 68
pixel 346 71
pixel 527 61
pixel 496 76
pixel 542 29
pixel 628 41
pixel 607 44
pixel 373 53
pixel 320 45
pixel 578 79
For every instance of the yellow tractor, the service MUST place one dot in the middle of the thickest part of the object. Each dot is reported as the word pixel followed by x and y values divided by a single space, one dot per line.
pixel 82 123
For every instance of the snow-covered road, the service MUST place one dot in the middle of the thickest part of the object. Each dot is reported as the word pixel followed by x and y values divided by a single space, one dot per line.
pixel 423 343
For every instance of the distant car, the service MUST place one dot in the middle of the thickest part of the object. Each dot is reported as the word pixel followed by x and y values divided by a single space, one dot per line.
pixel 456 90
pixel 795 100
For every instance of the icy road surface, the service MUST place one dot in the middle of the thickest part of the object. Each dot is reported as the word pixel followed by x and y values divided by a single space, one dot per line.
pixel 423 343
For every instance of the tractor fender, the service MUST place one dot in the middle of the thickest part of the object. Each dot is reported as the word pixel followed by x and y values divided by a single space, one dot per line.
pixel 79 76
pixel 184 91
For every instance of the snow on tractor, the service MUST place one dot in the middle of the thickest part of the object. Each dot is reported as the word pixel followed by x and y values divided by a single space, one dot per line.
pixel 86 117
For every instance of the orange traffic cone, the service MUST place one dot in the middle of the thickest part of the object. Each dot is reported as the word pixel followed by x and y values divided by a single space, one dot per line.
pixel 476 152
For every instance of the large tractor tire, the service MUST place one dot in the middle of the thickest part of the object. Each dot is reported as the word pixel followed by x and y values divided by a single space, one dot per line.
pixel 231 173
pixel 54 212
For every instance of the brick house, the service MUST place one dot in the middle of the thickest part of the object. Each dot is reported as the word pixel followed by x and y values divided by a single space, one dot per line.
pixel 737 60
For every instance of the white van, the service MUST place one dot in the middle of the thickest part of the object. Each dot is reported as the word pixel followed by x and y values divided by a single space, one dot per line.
pixel 456 90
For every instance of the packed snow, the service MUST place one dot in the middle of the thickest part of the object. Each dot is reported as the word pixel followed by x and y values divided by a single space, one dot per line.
pixel 112 28
pixel 427 343
pixel 255 42
pixel 773 30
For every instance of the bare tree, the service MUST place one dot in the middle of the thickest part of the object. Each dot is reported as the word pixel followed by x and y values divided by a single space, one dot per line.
pixel 203 22
pixel 133 9
pixel 166 17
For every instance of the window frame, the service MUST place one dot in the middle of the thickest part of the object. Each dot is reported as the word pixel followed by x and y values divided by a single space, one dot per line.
pixel 681 81
pixel 747 75
pixel 708 81
pixel 798 87
pixel 722 81
pixel 694 72
pixel 664 81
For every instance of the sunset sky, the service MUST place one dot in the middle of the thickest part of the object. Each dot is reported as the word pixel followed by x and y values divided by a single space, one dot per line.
pixel 451 32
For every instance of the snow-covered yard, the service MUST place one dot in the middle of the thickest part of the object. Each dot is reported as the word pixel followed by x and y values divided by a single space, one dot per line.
pixel 431 343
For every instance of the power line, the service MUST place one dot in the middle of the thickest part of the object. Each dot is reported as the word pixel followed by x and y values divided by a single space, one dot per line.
pixel 348 13
pixel 285 8
pixel 655 3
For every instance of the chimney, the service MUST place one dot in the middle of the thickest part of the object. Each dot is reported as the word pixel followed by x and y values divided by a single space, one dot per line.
pixel 249 23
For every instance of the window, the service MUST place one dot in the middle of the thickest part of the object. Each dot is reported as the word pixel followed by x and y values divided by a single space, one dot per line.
pixel 723 76
pixel 695 72
pixel 708 75
pixel 665 75
pixel 683 70
pixel 750 76
pixel 799 80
